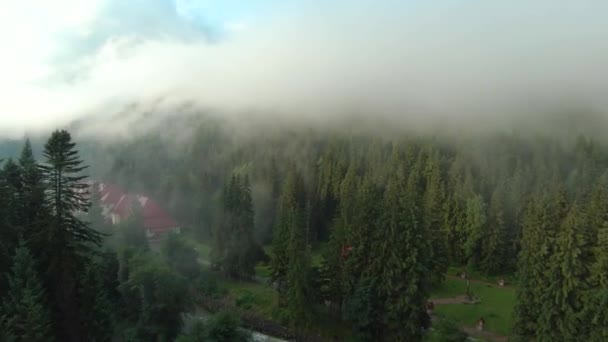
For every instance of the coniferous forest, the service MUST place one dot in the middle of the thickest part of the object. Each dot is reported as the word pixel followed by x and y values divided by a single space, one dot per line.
pixel 306 234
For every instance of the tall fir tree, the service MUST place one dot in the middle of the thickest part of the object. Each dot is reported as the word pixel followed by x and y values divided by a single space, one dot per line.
pixel 530 272
pixel 494 244
pixel 70 241
pixel 433 217
pixel 33 211
pixel 401 264
pixel 561 315
pixel 476 223
pixel 597 296
pixel 235 248
pixel 291 205
pixel 333 257
pixel 24 312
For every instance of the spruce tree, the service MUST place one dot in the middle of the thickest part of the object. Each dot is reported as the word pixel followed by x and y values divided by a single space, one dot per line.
pixel 70 241
pixel 569 270
pixel 494 243
pixel 291 205
pixel 530 272
pixel 401 264
pixel 476 222
pixel 32 212
pixel 362 306
pixel 298 274
pixel 434 212
pixel 597 300
pixel 7 232
pixel 337 247
pixel 25 313
pixel 133 228
pixel 235 249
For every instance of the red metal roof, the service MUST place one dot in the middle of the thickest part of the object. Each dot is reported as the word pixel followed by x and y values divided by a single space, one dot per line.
pixel 156 219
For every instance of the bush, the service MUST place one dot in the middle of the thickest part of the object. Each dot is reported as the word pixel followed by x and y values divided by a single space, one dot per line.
pixel 447 331
pixel 221 327
pixel 245 300
pixel 206 285
pixel 280 316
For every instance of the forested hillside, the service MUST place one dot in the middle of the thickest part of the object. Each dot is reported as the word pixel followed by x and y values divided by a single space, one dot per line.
pixel 353 227
pixel 391 213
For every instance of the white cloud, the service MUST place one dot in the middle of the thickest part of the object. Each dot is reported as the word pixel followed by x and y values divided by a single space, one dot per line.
pixel 452 60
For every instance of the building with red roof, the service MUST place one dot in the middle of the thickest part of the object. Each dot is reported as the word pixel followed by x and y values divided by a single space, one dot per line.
pixel 118 206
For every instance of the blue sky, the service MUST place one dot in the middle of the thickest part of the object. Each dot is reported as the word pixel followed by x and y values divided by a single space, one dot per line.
pixel 67 58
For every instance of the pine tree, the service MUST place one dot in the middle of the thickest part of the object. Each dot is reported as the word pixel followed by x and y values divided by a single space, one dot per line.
pixel 597 301
pixel 133 228
pixel 235 249
pixel 12 185
pixel 25 314
pixel 362 306
pixel 557 218
pixel 401 264
pixel 291 205
pixel 337 247
pixel 70 241
pixel 433 209
pixel 561 315
pixel 33 212
pixel 476 221
pixel 297 278
pixel 494 243
pixel 7 233
pixel 530 272
pixel 99 317
pixel 95 215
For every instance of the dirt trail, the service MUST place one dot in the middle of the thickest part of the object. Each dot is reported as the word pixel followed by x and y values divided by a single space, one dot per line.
pixel 482 282
pixel 485 335
pixel 463 299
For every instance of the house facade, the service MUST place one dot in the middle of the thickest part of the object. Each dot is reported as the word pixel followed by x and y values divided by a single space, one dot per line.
pixel 117 206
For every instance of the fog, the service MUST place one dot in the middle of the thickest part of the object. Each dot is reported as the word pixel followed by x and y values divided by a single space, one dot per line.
pixel 415 62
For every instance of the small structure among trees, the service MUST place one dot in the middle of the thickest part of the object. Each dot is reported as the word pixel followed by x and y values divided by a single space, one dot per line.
pixel 480 324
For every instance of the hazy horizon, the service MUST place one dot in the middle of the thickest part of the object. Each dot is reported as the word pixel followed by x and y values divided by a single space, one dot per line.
pixel 410 61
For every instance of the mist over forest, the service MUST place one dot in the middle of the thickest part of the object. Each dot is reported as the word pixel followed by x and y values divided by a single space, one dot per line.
pixel 182 170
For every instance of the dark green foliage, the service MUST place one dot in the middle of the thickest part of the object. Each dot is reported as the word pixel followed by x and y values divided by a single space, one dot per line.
pixel 597 296
pixel 24 314
pixel 447 331
pixel 221 327
pixel 95 215
pixel 362 309
pixel 495 241
pixel 433 206
pixel 180 256
pixel 290 253
pixel 400 262
pixel 97 298
pixel 66 194
pixel 235 250
pixel 33 211
pixel 69 242
pixel 207 285
pixel 531 267
pixel 289 221
pixel 161 297
pixel 133 230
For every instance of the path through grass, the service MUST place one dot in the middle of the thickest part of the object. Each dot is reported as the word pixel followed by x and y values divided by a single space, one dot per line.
pixel 495 306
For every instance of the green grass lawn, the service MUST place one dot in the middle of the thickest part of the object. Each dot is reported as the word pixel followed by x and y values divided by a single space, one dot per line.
pixel 203 249
pixel 509 278
pixel 263 270
pixel 254 296
pixel 495 306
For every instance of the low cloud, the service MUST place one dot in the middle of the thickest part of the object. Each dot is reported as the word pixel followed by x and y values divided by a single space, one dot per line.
pixel 413 62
